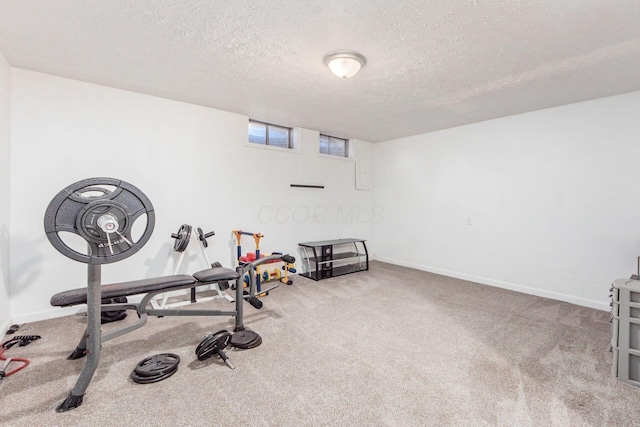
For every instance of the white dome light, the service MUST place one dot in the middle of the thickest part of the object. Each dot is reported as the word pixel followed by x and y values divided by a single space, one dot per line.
pixel 344 63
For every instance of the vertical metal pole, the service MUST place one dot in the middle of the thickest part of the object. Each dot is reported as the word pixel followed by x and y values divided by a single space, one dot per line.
pixel 239 301
pixel 94 311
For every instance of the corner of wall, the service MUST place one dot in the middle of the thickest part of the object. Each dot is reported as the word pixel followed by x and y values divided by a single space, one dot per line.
pixel 5 190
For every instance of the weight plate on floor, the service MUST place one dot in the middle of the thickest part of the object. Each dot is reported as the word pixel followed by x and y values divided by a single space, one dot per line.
pixel 213 344
pixel 154 378
pixel 245 339
pixel 157 365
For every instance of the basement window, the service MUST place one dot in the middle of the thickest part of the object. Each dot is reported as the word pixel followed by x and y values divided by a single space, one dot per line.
pixel 334 146
pixel 269 134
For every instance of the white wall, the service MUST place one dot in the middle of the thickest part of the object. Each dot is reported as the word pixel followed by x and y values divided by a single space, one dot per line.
pixel 5 179
pixel 192 162
pixel 550 194
pixel 551 197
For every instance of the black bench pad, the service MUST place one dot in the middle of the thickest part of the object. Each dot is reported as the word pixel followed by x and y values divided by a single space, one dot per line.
pixel 123 289
pixel 216 274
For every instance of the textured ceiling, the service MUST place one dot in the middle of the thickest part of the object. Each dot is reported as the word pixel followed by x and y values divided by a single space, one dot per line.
pixel 430 64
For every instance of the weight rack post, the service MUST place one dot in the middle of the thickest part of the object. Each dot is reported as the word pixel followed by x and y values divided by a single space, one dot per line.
pixel 93 339
pixel 239 301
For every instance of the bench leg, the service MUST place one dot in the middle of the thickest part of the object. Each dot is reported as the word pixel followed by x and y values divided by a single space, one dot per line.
pixel 81 349
pixel 92 341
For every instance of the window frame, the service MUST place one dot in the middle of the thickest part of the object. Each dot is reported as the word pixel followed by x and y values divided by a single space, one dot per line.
pixel 290 136
pixel 328 153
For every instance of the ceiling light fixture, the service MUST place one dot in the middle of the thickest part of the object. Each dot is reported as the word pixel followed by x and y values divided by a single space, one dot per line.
pixel 344 63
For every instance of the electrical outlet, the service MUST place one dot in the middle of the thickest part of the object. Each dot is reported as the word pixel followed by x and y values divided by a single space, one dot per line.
pixel 468 221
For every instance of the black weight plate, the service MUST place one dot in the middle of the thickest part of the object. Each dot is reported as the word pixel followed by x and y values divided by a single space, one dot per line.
pixel 160 375
pixel 152 379
pixel 212 344
pixel 245 339
pixel 157 365
pixel 112 316
pixel 86 221
pixel 66 211
pixel 255 344
pixel 182 238
pixel 211 338
pixel 251 345
pixel 103 244
pixel 201 237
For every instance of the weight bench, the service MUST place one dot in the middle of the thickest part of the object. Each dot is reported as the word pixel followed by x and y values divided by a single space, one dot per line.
pixel 92 295
pixel 102 211
pixel 156 285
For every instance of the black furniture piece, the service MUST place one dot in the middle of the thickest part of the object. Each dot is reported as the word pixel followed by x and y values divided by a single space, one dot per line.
pixel 330 258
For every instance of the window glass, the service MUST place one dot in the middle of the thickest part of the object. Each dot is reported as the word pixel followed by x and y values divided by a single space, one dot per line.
pixel 268 134
pixel 337 147
pixel 334 146
pixel 257 132
pixel 278 136
pixel 324 144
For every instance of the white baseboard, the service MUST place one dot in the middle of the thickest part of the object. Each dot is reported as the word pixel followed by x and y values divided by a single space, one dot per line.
pixel 504 285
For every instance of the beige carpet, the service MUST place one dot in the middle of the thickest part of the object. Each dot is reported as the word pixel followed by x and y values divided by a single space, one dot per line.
pixel 387 347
